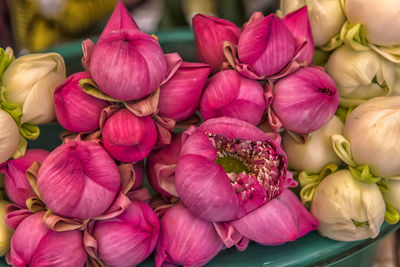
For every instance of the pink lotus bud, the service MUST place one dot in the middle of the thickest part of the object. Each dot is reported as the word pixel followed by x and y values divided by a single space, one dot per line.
pixel 78 180
pixel 305 100
pixel 129 238
pixel 77 111
pixel 180 96
pixel 139 175
pixel 161 164
pixel 129 138
pixel 35 245
pixel 266 44
pixel 126 63
pixel 17 186
pixel 299 24
pixel 229 94
pixel 228 168
pixel 209 35
pixel 185 239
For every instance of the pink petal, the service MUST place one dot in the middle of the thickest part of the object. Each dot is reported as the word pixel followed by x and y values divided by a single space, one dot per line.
pixel 205 189
pixel 281 220
pixel 267 45
pixel 185 239
pixel 209 34
pixel 299 24
pixel 199 145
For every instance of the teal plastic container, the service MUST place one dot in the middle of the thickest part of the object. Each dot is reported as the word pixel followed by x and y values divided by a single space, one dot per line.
pixel 310 250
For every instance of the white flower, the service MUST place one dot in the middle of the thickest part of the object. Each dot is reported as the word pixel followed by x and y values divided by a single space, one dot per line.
pixel 317 152
pixel 30 81
pixel 348 210
pixel 380 18
pixel 9 136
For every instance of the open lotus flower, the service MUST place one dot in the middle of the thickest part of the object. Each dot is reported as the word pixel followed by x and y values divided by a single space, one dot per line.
pixel 161 164
pixel 209 35
pixel 360 75
pixel 228 94
pixel 30 81
pixel 326 17
pixel 305 100
pixel 129 138
pixel 185 239
pixel 78 180
pixel 16 184
pixel 180 96
pixel 241 169
pixel 348 210
pixel 316 152
pixel 5 231
pixel 77 111
pixel 33 244
pixel 9 136
pixel 379 144
pixel 126 64
pixel 375 17
pixel 128 239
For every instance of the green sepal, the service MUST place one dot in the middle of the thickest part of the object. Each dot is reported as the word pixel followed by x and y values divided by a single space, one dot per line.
pixel 383 185
pixel 29 131
pixel 342 149
pixel 392 216
pixel 309 182
pixel 22 145
pixel 362 174
pixel 353 34
pixel 359 224
pixel 6 57
pixel 333 43
pixel 14 110
pixel 343 112
pixel 91 88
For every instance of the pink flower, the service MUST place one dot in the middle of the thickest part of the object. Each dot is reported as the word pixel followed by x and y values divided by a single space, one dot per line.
pixel 77 111
pixel 180 96
pixel 228 168
pixel 229 94
pixel 129 238
pixel 78 180
pixel 126 63
pixel 35 245
pixel 17 186
pixel 185 239
pixel 209 35
pixel 161 164
pixel 305 100
pixel 129 138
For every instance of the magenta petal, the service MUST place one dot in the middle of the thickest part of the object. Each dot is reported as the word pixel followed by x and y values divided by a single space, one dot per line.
pixel 161 164
pixel 209 34
pixel 185 239
pixel 281 220
pixel 78 180
pixel 129 138
pixel 205 189
pixel 34 245
pixel 180 96
pixel 299 24
pixel 77 111
pixel 129 238
pixel 305 100
pixel 200 145
pixel 120 19
pixel 267 45
pixel 174 61
pixel 17 186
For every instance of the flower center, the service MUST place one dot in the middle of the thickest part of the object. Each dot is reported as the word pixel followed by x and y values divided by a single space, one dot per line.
pixel 255 169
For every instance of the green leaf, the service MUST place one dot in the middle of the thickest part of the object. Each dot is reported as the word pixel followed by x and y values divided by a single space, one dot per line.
pixel 391 214
pixel 91 88
pixel 29 131
pixel 362 174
